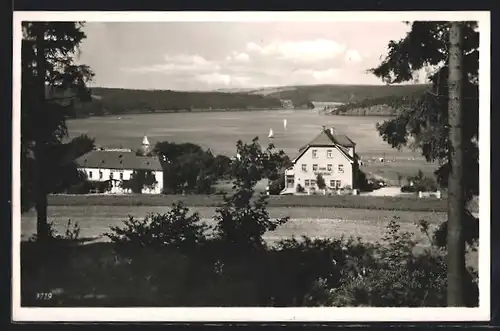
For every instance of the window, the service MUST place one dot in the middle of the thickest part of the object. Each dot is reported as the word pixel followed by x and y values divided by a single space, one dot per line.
pixel 100 174
pixel 121 175
pixel 304 167
pixel 313 182
pixel 339 184
pixel 315 167
pixel 306 182
pixel 315 153
pixel 329 167
pixel 341 168
pixel 332 183
pixel 110 175
pixel 329 154
pixel 90 174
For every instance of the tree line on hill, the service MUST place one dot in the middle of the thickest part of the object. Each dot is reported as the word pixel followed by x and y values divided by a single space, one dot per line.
pixel 382 106
pixel 122 101
pixel 302 96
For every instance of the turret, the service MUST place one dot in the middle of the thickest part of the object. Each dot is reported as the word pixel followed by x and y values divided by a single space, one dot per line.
pixel 145 146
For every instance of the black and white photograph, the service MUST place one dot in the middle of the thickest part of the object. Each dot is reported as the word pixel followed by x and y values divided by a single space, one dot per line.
pixel 209 166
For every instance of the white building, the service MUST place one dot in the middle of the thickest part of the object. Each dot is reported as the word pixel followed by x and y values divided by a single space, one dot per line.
pixel 119 165
pixel 330 154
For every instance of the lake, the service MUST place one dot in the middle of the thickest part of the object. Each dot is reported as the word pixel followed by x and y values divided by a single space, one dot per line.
pixel 220 131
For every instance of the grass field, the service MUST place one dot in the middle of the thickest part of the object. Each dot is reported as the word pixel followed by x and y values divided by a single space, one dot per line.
pixel 314 222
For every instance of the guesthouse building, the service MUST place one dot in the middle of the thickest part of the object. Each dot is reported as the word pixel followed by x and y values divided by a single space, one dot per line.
pixel 330 154
pixel 117 165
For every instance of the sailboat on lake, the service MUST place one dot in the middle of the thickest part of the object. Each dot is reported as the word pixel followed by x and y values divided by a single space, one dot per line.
pixel 271 133
pixel 284 123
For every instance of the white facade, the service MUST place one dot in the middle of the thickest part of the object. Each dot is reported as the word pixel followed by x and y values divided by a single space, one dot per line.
pixel 118 175
pixel 330 162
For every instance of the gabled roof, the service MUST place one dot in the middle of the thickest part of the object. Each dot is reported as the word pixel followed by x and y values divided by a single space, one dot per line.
pixel 118 160
pixel 328 138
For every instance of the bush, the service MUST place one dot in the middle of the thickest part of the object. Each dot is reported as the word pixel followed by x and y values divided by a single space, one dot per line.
pixel 300 189
pixel 71 233
pixel 277 186
pixel 361 181
pixel 421 183
pixel 175 229
pixel 395 276
pixel 339 201
pixel 139 180
pixel 241 223
pixel 320 181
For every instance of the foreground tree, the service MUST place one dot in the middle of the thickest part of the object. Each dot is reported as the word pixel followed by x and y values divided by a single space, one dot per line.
pixel 426 119
pixel 422 120
pixel 456 242
pixel 51 82
pixel 242 221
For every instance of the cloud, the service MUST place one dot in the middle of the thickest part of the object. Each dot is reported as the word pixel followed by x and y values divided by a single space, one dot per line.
pixel 300 51
pixel 278 62
pixel 214 78
pixel 326 74
pixel 238 57
pixel 352 56
pixel 183 62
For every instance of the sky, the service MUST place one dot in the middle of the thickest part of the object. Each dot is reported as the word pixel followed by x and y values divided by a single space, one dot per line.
pixel 225 55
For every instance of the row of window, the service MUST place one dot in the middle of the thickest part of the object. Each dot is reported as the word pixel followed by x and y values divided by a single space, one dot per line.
pixel 329 167
pixel 329 153
pixel 101 175
pixel 333 183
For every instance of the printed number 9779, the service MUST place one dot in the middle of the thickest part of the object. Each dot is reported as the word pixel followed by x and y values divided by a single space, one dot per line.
pixel 44 296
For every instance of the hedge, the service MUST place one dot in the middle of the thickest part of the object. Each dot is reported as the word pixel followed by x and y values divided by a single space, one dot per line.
pixel 341 201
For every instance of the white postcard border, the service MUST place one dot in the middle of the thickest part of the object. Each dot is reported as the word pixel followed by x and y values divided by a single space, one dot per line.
pixel 482 313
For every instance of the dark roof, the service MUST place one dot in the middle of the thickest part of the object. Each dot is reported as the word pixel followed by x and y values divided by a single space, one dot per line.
pixel 118 160
pixel 329 138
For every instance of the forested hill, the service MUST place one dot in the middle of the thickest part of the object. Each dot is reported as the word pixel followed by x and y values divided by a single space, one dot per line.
pixel 381 106
pixel 302 95
pixel 122 101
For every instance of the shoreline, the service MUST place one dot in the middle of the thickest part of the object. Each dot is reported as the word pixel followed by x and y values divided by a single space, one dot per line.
pixel 319 111
pixel 184 111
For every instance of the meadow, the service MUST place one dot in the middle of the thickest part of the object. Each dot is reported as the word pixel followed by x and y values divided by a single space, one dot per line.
pixel 319 222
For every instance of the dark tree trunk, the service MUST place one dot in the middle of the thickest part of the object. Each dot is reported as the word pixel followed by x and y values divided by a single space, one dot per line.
pixel 456 198
pixel 40 185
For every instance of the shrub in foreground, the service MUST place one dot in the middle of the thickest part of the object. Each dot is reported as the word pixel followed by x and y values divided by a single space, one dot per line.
pixel 399 277
pixel 174 229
